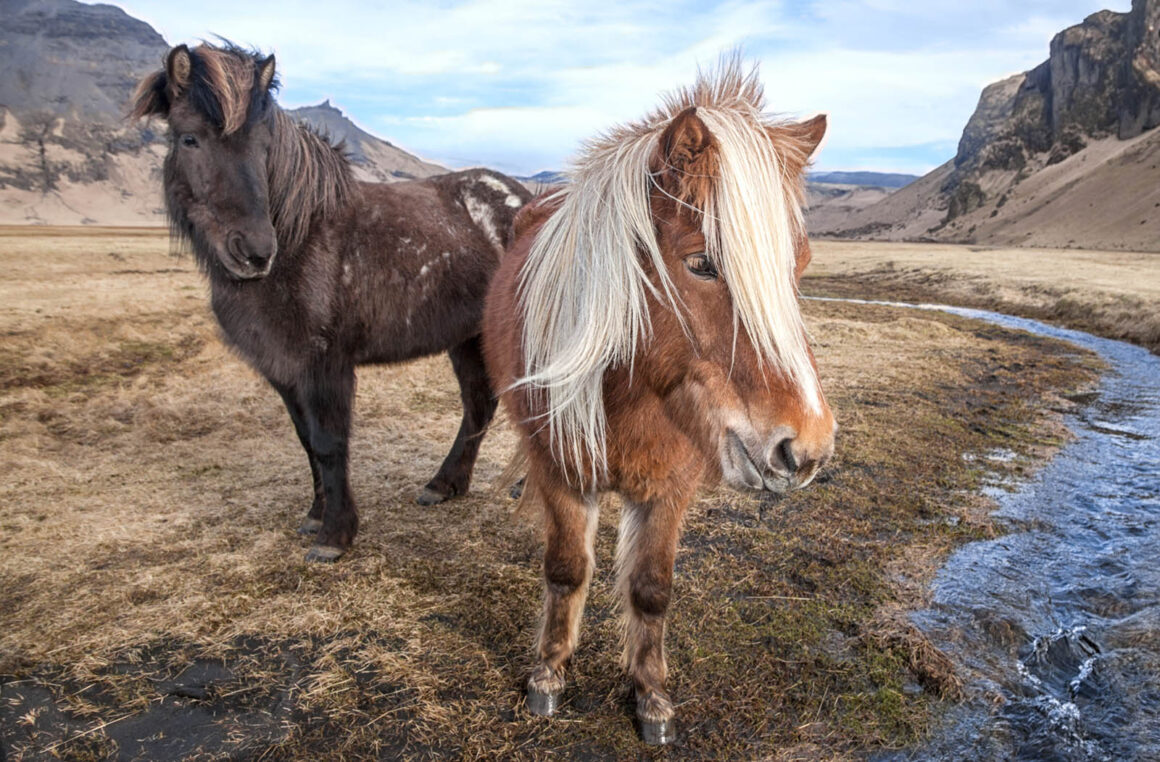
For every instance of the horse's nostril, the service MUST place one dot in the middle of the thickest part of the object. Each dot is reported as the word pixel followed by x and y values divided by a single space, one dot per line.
pixel 785 452
pixel 236 245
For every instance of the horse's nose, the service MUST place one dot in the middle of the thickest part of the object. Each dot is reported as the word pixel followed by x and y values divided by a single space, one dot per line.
pixel 257 254
pixel 799 459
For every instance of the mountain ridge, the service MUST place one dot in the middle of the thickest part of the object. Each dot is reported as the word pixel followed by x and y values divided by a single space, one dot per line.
pixel 1060 155
pixel 67 154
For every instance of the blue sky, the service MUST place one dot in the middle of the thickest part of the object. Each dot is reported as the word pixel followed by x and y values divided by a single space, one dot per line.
pixel 518 85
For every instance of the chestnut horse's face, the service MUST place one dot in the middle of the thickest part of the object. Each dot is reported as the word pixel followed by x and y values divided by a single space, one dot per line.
pixel 765 431
pixel 216 183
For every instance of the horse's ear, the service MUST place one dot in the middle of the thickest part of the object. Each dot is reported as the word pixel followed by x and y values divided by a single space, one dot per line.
pixel 266 72
pixel 802 140
pixel 684 140
pixel 683 155
pixel 178 66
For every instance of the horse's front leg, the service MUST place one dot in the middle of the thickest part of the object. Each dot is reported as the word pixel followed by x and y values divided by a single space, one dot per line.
pixel 327 397
pixel 313 521
pixel 646 550
pixel 570 530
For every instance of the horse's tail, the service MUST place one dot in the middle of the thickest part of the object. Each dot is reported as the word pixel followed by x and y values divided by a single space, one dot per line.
pixel 513 483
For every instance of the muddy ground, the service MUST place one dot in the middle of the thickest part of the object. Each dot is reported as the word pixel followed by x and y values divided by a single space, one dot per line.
pixel 154 602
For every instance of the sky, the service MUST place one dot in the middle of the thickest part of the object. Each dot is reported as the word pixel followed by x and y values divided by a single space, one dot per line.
pixel 518 85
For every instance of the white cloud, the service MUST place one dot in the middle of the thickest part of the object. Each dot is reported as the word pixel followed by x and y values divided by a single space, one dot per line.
pixel 491 81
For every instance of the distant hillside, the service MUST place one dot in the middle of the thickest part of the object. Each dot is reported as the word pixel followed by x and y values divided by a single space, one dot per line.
pixel 869 179
pixel 67 70
pixel 375 160
pixel 68 157
pixel 547 177
pixel 1062 155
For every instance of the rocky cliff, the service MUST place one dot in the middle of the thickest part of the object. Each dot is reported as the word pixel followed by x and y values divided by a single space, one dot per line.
pixel 374 159
pixel 67 155
pixel 1093 101
pixel 68 69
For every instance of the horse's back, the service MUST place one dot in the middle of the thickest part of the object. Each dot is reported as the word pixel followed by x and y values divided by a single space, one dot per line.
pixel 418 267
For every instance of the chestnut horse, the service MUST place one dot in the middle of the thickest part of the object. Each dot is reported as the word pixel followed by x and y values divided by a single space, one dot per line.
pixel 312 273
pixel 645 333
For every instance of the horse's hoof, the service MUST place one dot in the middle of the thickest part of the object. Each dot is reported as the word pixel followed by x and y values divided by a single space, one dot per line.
pixel 658 733
pixel 309 526
pixel 544 688
pixel 324 554
pixel 543 704
pixel 430 497
pixel 517 490
pixel 654 712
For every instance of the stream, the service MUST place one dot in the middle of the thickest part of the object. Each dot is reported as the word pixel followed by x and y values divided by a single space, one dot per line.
pixel 1056 624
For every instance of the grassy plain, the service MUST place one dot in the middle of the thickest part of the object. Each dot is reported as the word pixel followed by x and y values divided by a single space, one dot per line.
pixel 1110 293
pixel 154 602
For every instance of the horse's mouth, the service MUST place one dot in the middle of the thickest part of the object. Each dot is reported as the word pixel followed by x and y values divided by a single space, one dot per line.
pixel 742 472
pixel 245 262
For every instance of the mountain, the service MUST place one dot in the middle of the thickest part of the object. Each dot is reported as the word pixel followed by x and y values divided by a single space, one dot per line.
pixel 374 159
pixel 868 179
pixel 545 178
pixel 67 155
pixel 68 70
pixel 1062 155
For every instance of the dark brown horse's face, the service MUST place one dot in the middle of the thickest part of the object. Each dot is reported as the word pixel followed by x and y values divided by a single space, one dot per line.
pixel 220 132
pixel 763 430
pixel 219 183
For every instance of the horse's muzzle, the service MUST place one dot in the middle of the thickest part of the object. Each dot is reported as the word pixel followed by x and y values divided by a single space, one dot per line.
pixel 781 465
pixel 247 259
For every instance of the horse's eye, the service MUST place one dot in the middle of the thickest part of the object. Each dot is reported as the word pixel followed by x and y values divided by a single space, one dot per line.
pixel 700 265
pixel 189 141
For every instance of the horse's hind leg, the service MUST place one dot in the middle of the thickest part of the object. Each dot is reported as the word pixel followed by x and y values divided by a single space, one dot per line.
pixel 570 523
pixel 326 400
pixel 645 553
pixel 313 520
pixel 479 403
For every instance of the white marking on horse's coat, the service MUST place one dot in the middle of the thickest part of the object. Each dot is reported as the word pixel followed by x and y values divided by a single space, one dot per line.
pixel 347 274
pixel 423 270
pixel 480 214
pixel 510 198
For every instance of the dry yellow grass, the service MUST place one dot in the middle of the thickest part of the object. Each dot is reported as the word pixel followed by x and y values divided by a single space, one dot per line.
pixel 155 602
pixel 1112 293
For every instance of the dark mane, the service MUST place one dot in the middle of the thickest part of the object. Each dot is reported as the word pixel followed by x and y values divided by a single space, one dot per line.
pixel 222 86
pixel 309 176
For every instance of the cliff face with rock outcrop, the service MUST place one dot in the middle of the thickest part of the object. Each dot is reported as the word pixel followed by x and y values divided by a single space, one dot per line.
pixel 374 159
pixel 68 69
pixel 1064 135
pixel 67 155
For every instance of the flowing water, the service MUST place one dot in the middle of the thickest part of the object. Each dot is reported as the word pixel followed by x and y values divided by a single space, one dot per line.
pixel 1057 622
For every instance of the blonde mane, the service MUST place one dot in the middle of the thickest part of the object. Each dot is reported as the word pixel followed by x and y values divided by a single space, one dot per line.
pixel 583 289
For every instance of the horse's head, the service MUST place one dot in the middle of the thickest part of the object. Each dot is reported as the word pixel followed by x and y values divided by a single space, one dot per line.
pixel 732 359
pixel 219 106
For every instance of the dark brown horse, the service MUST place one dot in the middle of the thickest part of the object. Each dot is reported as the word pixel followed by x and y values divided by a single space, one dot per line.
pixel 312 273
pixel 645 333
